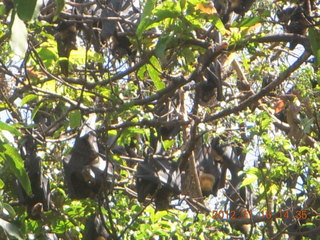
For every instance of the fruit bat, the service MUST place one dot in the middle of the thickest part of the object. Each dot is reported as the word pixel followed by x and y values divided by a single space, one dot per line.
pixel 232 158
pixel 211 86
pixel 241 6
pixel 295 21
pixel 94 229
pixel 40 199
pixel 209 171
pixel 212 164
pixel 86 172
pixel 229 156
pixel 166 111
pixel 158 178
pixel 237 211
pixel 66 41
pixel 109 26
pixel 239 199
pixel 222 7
pixel 121 45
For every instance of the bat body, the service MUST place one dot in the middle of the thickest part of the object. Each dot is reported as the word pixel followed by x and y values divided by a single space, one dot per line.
pixel 86 171
pixel 158 178
pixel 94 229
pixel 39 201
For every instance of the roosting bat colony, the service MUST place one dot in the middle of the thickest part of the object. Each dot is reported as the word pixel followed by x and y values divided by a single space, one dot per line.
pixel 161 178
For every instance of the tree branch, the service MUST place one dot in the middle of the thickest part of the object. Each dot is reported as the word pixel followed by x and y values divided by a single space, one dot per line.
pixel 263 92
pixel 287 37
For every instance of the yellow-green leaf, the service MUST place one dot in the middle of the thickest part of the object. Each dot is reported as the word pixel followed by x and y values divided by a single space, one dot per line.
pixel 249 180
pixel 75 118
pixel 27 99
pixel 15 163
pixel 18 38
pixel 314 38
pixel 9 128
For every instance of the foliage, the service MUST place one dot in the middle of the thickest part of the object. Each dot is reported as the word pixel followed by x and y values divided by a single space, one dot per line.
pixel 159 53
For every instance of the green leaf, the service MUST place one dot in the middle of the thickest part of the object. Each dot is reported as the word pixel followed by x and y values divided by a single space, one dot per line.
pixel 75 118
pixel 2 10
pixel 27 99
pixel 183 4
pixel 1 184
pixel 314 38
pixel 18 38
pixel 59 7
pixel 264 120
pixel 154 71
pixel 36 110
pixel 25 9
pixel 303 149
pixel 47 54
pixel 253 171
pixel 148 7
pixel 10 229
pixel 307 125
pixel 12 130
pixel 216 21
pixel 161 47
pixel 15 163
pixel 273 189
pixel 142 26
pixel 10 210
pixel 164 14
pixel 142 71
pixel 159 15
pixel 155 63
pixel 248 22
pixel 168 144
pixel 155 77
pixel 145 17
pixel 249 180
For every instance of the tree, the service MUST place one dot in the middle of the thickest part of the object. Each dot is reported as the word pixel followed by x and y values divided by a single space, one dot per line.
pixel 204 111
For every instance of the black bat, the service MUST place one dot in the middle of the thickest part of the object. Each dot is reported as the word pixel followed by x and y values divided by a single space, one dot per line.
pixel 212 164
pixel 159 178
pixel 241 6
pixel 232 158
pixel 167 111
pixel 296 21
pixel 210 88
pixel 228 155
pixel 86 171
pixel 209 170
pixel 94 229
pixel 66 41
pixel 39 201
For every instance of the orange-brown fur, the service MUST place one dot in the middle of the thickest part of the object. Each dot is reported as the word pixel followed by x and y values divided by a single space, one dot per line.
pixel 206 181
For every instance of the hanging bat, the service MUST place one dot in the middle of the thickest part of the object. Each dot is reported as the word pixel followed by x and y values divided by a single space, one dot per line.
pixel 209 171
pixel 40 199
pixel 94 229
pixel 85 170
pixel 66 41
pixel 210 88
pixel 295 21
pixel 241 6
pixel 158 178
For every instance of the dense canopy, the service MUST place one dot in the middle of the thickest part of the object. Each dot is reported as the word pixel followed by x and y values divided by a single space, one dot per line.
pixel 149 119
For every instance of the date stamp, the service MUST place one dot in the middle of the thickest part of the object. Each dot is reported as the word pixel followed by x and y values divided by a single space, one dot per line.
pixel 300 214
